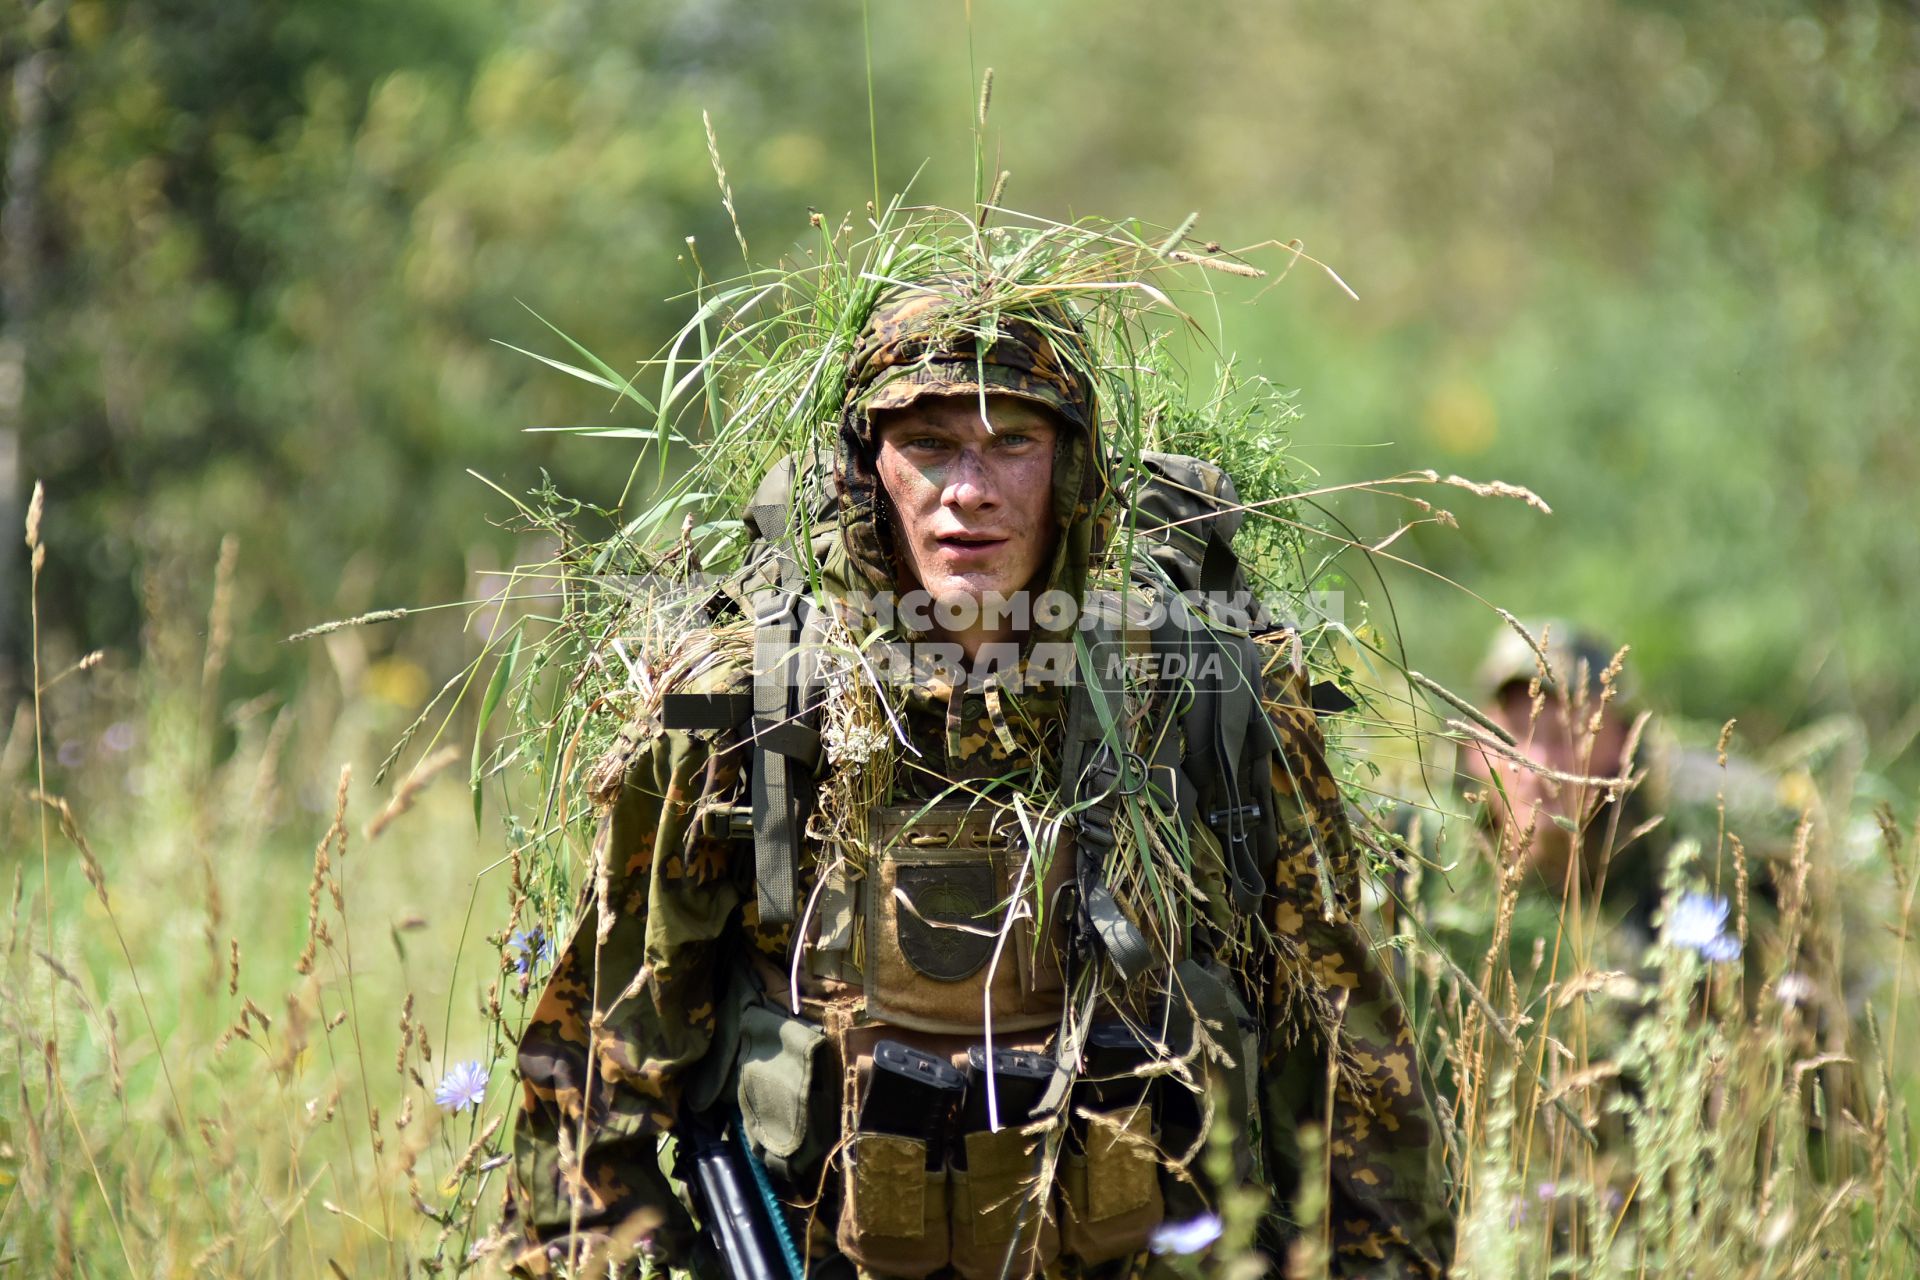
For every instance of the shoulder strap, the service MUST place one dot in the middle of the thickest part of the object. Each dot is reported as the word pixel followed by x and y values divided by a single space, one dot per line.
pixel 1223 764
pixel 786 747
pixel 786 743
pixel 1092 778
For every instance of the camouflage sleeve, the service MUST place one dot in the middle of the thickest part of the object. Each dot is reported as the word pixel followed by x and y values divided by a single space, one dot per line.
pixel 629 1008
pixel 1333 1019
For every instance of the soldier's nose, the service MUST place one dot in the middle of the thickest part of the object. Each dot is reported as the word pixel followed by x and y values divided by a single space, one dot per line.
pixel 968 486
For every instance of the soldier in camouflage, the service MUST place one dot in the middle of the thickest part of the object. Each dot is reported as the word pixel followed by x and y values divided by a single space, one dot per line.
pixel 967 465
pixel 1574 714
pixel 1594 814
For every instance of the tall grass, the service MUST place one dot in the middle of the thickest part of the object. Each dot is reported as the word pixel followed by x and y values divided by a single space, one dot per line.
pixel 230 996
pixel 248 946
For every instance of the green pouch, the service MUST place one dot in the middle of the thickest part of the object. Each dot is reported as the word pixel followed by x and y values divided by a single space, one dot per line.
pixel 788 1092
pixel 1110 1190
pixel 1001 1227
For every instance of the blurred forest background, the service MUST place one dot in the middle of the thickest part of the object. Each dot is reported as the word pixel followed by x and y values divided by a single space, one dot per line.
pixel 1654 260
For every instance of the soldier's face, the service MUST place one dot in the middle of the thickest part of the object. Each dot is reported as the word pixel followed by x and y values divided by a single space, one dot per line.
pixel 973 504
pixel 1551 742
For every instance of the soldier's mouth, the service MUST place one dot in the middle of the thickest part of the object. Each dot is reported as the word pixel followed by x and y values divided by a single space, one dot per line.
pixel 970 541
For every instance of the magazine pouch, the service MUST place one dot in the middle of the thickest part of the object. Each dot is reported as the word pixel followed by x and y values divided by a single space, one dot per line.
pixel 1000 1225
pixel 1110 1186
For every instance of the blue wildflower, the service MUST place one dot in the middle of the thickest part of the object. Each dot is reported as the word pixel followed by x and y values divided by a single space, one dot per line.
pixel 1186 1237
pixel 462 1087
pixel 532 949
pixel 1721 949
pixel 1696 920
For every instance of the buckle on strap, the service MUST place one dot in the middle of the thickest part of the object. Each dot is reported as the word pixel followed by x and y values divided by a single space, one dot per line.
pixel 1239 817
pixel 775 606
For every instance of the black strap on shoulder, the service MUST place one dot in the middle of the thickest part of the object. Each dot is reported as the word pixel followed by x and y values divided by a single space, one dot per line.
pixel 1093 777
pixel 1240 810
pixel 685 710
pixel 786 742
pixel 1219 567
pixel 786 750
pixel 1226 735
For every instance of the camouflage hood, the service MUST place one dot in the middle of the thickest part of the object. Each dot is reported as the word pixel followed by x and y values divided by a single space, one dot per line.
pixel 943 340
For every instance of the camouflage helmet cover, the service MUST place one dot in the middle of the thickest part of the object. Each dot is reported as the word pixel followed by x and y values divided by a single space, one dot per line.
pixel 914 345
pixel 942 338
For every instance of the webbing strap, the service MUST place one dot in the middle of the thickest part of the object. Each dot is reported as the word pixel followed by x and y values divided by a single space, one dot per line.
pixel 1075 1018
pixel 792 740
pixel 1239 816
pixel 769 519
pixel 1172 787
pixel 776 804
pixel 1218 566
pixel 1125 946
pixel 704 710
pixel 1091 778
pixel 1223 760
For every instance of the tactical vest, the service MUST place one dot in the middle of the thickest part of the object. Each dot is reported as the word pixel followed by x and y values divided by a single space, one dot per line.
pixel 916 946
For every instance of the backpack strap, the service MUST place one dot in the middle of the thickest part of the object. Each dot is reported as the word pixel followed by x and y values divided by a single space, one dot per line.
pixel 1242 797
pixel 776 808
pixel 1222 767
pixel 786 746
pixel 1092 779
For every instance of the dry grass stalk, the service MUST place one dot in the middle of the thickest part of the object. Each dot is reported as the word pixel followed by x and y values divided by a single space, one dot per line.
pixel 726 190
pixel 409 790
pixel 341 624
pixel 1224 265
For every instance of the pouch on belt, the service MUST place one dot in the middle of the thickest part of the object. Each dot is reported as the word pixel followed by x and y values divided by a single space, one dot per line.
pixel 894 1217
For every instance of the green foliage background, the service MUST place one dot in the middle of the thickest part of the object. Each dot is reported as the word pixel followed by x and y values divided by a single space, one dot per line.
pixel 1654 261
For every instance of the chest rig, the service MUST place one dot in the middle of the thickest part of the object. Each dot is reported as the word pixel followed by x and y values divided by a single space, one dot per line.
pixel 957 925
pixel 1210 774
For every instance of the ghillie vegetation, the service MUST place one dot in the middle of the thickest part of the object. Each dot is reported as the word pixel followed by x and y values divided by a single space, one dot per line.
pixel 292 1101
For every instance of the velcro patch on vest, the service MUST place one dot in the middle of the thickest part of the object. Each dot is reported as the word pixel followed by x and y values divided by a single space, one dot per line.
pixel 889 1185
pixel 961 896
pixel 941 891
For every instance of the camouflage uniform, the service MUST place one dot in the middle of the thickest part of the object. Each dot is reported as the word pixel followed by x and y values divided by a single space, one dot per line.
pixel 644 991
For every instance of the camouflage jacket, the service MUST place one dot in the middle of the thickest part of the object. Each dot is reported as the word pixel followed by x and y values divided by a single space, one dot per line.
pixel 634 998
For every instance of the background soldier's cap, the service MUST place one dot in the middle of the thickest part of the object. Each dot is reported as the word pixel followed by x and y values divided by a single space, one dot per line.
pixel 935 341
pixel 1511 660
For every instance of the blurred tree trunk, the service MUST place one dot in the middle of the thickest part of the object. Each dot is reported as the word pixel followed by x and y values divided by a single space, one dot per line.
pixel 19 249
